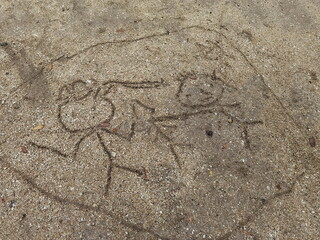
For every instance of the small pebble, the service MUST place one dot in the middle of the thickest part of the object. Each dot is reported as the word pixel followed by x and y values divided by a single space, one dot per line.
pixel 16 105
pixel 12 204
pixel 24 149
pixel 312 141
pixel 209 133
pixel 105 124
pixel 3 44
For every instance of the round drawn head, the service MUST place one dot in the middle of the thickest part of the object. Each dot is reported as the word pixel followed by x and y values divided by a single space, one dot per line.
pixel 199 89
pixel 84 106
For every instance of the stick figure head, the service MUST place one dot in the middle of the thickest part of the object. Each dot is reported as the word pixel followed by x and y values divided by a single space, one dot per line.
pixel 199 89
pixel 83 106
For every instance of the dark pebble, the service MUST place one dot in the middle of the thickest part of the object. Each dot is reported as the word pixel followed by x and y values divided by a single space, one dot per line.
pixel 16 105
pixel 3 44
pixel 209 133
pixel 11 204
pixel 312 141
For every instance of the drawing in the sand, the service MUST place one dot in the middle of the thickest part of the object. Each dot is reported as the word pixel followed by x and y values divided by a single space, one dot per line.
pixel 88 111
